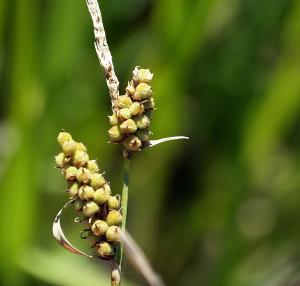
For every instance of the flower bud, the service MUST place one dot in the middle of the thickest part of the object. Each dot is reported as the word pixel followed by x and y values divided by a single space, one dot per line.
pixel 115 134
pixel 73 189
pixel 113 203
pixel 70 173
pixel 114 217
pixel 112 234
pixel 136 108
pixel 142 75
pixel 97 180
pixel 124 101
pixel 130 90
pixel 90 208
pixel 113 119
pixel 63 137
pixel 123 114
pixel 92 166
pixel 78 204
pixel 105 250
pixel 80 147
pixel 143 134
pixel 80 158
pixel 101 195
pixel 99 227
pixel 132 143
pixel 142 121
pixel 83 175
pixel 69 147
pixel 142 91
pixel 149 104
pixel 128 126
pixel 60 160
pixel 86 192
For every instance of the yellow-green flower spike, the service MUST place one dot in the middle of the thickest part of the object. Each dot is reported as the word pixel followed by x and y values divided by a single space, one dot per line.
pixel 86 192
pixel 113 203
pixel 142 121
pixel 132 143
pixel 136 108
pixel 63 137
pixel 124 114
pixel 83 175
pixel 99 227
pixel 97 180
pixel 130 90
pixel 60 160
pixel 69 147
pixel 80 158
pixel 105 250
pixel 128 126
pixel 112 234
pixel 124 101
pixel 73 189
pixel 90 209
pixel 101 195
pixel 71 173
pixel 114 217
pixel 115 134
pixel 142 75
pixel 92 166
pixel 113 119
pixel 142 91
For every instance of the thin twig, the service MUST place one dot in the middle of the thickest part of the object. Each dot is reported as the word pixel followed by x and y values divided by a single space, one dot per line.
pixel 103 51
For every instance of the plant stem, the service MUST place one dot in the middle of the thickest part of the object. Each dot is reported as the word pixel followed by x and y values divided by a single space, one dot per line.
pixel 124 204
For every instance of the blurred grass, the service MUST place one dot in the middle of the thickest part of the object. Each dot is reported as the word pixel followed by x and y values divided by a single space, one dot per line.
pixel 222 209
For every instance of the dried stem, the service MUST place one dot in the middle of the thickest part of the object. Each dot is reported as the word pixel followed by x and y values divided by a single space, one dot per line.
pixel 103 51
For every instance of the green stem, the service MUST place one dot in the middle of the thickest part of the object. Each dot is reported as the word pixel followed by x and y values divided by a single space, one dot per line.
pixel 124 203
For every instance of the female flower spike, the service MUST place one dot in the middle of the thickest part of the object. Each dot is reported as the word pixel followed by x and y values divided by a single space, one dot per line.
pixel 133 112
pixel 91 194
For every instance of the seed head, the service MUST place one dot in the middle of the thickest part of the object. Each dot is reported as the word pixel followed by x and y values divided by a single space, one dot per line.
pixel 112 234
pixel 69 147
pixel 63 137
pixel 83 175
pixel 132 143
pixel 123 114
pixel 73 189
pixel 143 134
pixel 142 75
pixel 71 173
pixel 97 180
pixel 113 203
pixel 142 91
pixel 124 101
pixel 136 108
pixel 80 147
pixel 149 104
pixel 86 192
pixel 128 126
pixel 78 205
pixel 114 217
pixel 90 209
pixel 113 119
pixel 142 121
pixel 101 195
pixel 80 158
pixel 60 160
pixel 105 250
pixel 115 134
pixel 99 227
pixel 92 166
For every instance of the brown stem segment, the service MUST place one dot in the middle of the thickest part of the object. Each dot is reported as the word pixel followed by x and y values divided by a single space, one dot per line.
pixel 103 52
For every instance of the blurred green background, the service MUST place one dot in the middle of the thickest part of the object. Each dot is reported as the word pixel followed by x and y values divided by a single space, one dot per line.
pixel 221 209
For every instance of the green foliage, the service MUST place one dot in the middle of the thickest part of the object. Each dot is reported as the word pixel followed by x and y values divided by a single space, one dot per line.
pixel 222 210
